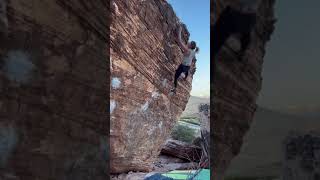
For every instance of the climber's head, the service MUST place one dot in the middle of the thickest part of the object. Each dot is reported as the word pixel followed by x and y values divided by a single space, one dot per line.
pixel 193 45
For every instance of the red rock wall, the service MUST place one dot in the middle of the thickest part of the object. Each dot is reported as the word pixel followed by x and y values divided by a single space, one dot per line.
pixel 237 83
pixel 52 89
pixel 144 57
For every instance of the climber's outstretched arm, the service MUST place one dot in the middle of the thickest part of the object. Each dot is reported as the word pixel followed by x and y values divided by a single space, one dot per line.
pixel 184 46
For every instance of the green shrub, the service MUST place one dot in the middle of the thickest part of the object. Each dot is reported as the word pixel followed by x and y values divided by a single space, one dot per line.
pixel 183 133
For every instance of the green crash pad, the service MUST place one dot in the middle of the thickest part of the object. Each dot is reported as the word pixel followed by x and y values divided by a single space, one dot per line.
pixel 204 174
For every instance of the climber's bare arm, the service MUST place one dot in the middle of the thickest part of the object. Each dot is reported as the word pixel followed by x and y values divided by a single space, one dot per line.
pixel 193 61
pixel 182 44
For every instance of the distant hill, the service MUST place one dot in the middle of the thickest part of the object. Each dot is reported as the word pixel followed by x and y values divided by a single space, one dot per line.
pixel 261 152
pixel 306 113
pixel 192 106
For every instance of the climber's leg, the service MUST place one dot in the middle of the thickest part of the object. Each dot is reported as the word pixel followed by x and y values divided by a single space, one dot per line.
pixel 176 77
pixel 177 74
pixel 186 71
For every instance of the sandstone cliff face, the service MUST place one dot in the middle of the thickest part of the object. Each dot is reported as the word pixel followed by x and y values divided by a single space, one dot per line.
pixel 144 57
pixel 53 88
pixel 237 83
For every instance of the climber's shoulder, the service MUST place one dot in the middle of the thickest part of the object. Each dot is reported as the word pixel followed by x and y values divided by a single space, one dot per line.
pixel 187 52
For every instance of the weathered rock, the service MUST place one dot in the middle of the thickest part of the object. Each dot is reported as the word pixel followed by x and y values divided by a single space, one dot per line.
pixel 164 159
pixel 237 83
pixel 182 150
pixel 204 112
pixel 204 117
pixel 144 57
pixel 53 88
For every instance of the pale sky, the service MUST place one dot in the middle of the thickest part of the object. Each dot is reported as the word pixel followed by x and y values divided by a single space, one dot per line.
pixel 291 70
pixel 197 18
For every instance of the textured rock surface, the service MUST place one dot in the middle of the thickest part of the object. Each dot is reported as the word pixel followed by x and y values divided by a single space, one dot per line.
pixel 182 150
pixel 53 87
pixel 204 114
pixel 301 157
pixel 236 86
pixel 144 57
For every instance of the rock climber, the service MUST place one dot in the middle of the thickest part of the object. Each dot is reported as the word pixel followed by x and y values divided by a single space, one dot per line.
pixel 189 53
pixel 234 22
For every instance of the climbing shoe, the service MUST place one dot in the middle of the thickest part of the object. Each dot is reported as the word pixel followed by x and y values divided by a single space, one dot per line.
pixel 173 90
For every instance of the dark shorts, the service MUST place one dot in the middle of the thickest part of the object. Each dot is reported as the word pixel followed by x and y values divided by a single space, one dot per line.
pixel 181 69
